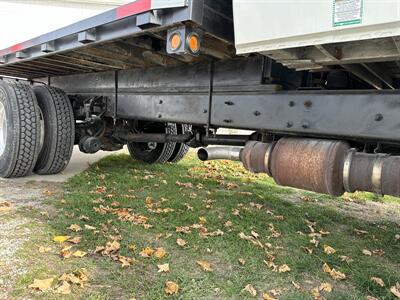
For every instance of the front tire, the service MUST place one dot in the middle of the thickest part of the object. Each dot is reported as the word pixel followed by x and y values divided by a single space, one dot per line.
pixel 59 130
pixel 19 130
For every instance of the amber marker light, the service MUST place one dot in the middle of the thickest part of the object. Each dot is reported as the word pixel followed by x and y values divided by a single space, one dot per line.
pixel 194 43
pixel 175 41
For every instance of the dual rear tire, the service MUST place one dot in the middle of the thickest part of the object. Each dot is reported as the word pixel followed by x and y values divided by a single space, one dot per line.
pixel 159 153
pixel 36 130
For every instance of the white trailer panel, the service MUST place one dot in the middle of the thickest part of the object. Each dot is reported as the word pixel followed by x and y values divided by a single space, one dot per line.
pixel 265 25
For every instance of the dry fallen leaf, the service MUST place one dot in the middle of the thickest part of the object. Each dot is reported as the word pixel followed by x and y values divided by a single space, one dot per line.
pixel 360 232
pixel 378 281
pixel 147 252
pixel 296 285
pixel 235 212
pixel 61 238
pixel 41 284
pixel 64 288
pixel 367 252
pixel 378 252
pixel 202 220
pixel 337 275
pixel 371 298
pixel 205 265
pixel 48 193
pixel 111 247
pixel 163 268
pixel 251 290
pixel 181 242
pixel 125 261
pixel 323 232
pixel 266 296
pixel 84 218
pixel 396 290
pixel 315 293
pixel 88 227
pixel 308 250
pixel 325 287
pixel 79 254
pixel 185 229
pixel 75 240
pixel 275 292
pixel 75 228
pixel 329 250
pixel 346 259
pixel 160 253
pixel 186 185
pixel 242 261
pixel 79 277
pixel 228 224
pixel 251 239
pixel 284 269
pixel 255 234
pixel 171 288
pixel 65 252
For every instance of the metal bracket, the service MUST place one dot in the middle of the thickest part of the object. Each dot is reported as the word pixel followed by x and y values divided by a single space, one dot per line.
pixel 377 174
pixel 346 170
pixel 48 47
pixel 21 55
pixel 86 37
pixel 210 97
pixel 148 20
pixel 115 113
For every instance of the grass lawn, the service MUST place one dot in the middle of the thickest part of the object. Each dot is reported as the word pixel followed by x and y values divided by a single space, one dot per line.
pixel 224 233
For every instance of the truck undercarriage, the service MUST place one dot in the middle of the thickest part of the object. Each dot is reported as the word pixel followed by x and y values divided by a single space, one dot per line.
pixel 139 77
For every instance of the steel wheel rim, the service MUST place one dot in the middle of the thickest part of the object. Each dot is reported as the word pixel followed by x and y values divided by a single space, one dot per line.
pixel 3 128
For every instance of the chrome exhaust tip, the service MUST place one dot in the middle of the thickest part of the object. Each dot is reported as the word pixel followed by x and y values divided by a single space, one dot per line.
pixel 214 153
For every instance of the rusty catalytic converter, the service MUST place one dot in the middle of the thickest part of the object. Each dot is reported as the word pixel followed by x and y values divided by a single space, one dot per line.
pixel 322 166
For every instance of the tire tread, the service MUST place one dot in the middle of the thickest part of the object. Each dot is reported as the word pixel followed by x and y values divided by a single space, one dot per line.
pixel 65 133
pixel 29 130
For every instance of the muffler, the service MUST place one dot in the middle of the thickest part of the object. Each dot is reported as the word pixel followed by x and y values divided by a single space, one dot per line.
pixel 308 164
pixel 322 166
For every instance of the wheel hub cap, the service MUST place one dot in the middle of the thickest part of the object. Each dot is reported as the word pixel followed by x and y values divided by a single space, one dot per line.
pixel 3 128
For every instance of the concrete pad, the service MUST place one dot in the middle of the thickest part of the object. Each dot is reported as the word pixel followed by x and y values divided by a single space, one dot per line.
pixel 79 162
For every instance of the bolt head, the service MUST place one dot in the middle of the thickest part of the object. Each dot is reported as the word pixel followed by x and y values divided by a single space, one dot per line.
pixel 378 117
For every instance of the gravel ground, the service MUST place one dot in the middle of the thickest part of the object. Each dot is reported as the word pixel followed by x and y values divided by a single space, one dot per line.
pixel 26 193
pixel 14 227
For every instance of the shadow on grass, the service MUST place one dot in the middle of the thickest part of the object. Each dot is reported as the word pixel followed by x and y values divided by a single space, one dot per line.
pixel 222 192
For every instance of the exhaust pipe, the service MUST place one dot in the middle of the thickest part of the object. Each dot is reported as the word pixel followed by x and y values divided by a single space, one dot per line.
pixel 322 166
pixel 214 153
pixel 375 173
